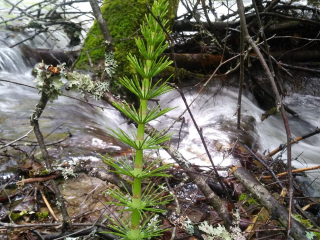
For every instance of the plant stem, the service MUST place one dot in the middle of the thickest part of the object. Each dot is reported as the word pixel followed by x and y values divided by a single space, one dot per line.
pixel 150 48
pixel 138 164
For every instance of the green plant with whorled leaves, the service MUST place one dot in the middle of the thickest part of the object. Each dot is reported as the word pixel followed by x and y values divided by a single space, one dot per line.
pixel 140 202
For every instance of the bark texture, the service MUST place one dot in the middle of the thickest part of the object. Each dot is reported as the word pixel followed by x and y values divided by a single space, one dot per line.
pixel 278 211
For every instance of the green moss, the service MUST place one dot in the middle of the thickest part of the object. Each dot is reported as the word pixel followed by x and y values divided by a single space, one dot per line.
pixel 42 215
pixel 44 172
pixel 249 200
pixel 172 11
pixel 124 18
pixel 15 216
pixel 307 224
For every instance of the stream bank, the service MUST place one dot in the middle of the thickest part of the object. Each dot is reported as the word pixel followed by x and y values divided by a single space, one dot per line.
pixel 214 129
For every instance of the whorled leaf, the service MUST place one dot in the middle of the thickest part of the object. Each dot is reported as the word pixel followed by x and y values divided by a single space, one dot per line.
pixel 152 197
pixel 152 141
pixel 151 52
pixel 149 229
pixel 137 116
pixel 123 166
pixel 156 90
pixel 156 67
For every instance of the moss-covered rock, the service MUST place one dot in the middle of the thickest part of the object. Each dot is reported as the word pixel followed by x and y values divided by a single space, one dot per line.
pixel 124 18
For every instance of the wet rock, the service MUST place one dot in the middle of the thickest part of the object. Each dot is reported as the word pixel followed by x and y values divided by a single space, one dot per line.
pixel 3 212
pixel 83 195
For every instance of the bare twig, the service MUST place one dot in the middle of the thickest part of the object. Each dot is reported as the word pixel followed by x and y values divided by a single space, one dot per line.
pixel 29 38
pixel 266 166
pixel 48 206
pixel 18 139
pixel 283 146
pixel 37 179
pixel 35 124
pixel 25 85
pixel 294 171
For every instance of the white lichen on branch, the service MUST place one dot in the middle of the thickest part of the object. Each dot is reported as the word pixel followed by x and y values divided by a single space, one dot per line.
pixel 221 232
pixel 51 80
pixel 110 64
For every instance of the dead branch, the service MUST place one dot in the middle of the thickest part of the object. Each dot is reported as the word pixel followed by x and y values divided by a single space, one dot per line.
pixel 294 171
pixel 16 140
pixel 296 140
pixel 278 211
pixel 48 206
pixel 29 38
pixel 37 179
pixel 266 166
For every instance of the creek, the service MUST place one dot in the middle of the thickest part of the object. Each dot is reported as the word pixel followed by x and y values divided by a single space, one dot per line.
pixel 214 111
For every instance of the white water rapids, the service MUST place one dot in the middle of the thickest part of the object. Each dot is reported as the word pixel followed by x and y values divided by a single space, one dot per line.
pixel 88 124
pixel 213 113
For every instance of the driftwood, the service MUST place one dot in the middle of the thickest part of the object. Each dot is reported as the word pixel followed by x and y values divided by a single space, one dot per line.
pixel 207 61
pixel 278 211
pixel 49 56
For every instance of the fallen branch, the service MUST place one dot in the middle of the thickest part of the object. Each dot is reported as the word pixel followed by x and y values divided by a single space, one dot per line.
pixel 37 179
pixel 278 211
pixel 283 146
pixel 266 166
pixel 294 171
pixel 18 139
pixel 278 103
pixel 48 206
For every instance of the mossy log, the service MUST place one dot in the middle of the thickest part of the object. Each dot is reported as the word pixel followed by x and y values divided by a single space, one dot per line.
pixel 124 18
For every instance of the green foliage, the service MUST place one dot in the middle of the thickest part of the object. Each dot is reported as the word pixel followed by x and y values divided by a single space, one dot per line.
pixel 37 215
pixel 140 202
pixel 42 215
pixel 123 18
pixel 307 223
pixel 150 142
pixel 249 200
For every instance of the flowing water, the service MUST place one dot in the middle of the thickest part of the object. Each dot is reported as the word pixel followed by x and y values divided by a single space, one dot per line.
pixel 214 114
pixel 89 124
